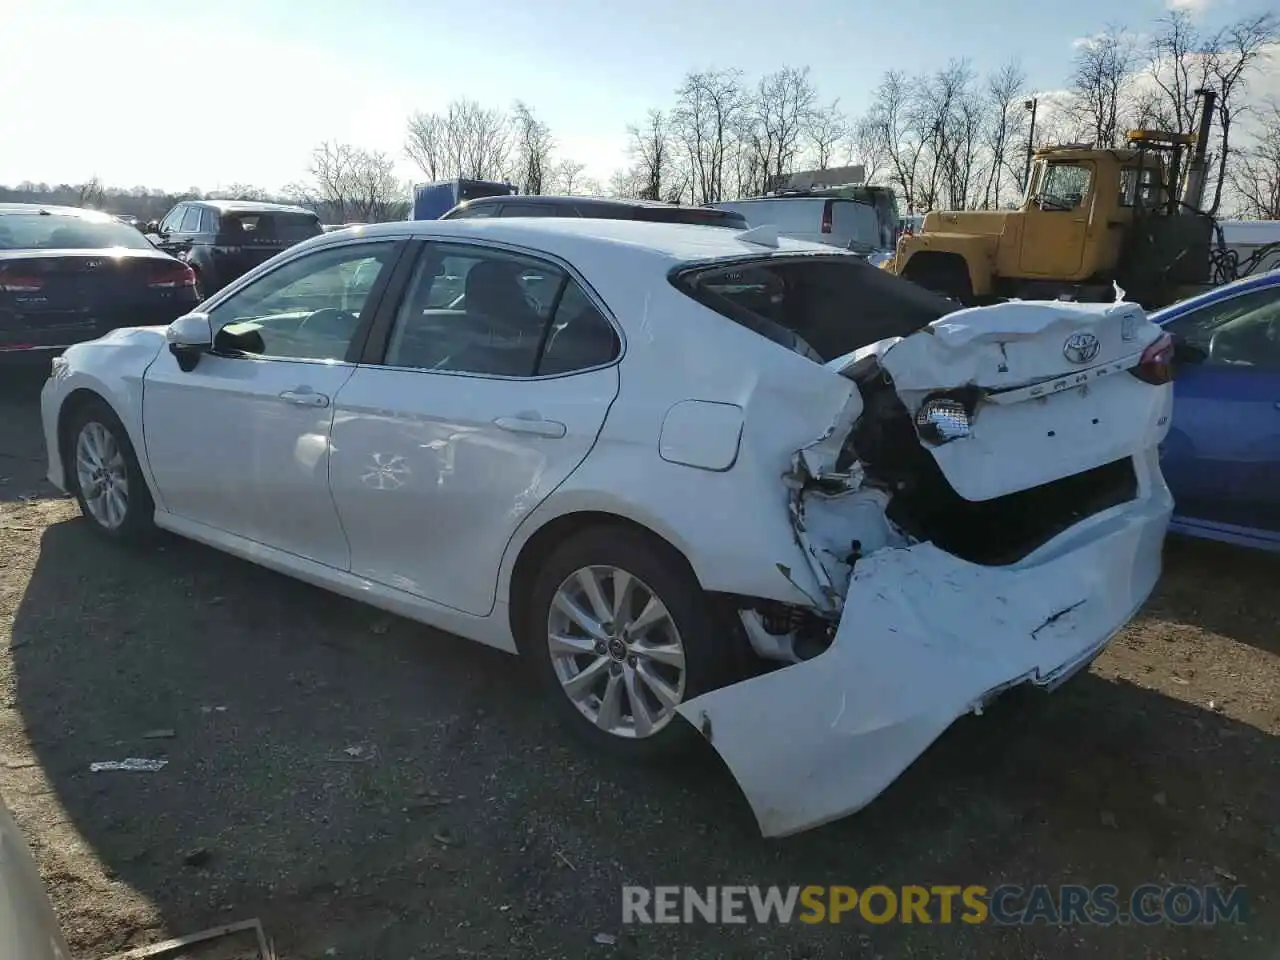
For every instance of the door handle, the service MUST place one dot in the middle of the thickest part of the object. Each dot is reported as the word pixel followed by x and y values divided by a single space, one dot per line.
pixel 535 426
pixel 305 398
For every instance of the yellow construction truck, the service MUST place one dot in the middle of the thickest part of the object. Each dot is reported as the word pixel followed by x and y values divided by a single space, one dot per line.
pixel 1092 220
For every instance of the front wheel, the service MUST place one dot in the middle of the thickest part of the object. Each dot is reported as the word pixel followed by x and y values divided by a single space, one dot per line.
pixel 621 634
pixel 108 481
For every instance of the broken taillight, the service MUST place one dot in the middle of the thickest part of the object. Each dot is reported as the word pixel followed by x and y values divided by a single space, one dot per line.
pixel 1155 366
pixel 942 419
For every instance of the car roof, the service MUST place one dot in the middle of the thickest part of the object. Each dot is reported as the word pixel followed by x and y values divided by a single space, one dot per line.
pixel 1257 281
pixel 54 209
pixel 248 206
pixel 558 200
pixel 574 238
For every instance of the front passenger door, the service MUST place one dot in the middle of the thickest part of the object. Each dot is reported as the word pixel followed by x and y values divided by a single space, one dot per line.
pixel 240 444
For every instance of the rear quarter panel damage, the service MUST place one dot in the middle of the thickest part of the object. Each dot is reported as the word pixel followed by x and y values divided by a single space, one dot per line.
pixel 924 638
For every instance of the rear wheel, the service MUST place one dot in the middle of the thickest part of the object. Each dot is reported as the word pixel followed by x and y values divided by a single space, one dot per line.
pixel 621 633
pixel 108 481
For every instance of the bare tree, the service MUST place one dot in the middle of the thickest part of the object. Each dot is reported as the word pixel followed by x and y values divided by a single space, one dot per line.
pixel 1255 174
pixel 90 193
pixel 1236 52
pixel 533 146
pixel 1004 123
pixel 353 183
pixel 652 154
pixel 891 129
pixel 240 191
pixel 627 184
pixel 1178 67
pixel 826 129
pixel 863 145
pixel 708 107
pixel 1100 81
pixel 776 120
pixel 567 177
pixel 466 140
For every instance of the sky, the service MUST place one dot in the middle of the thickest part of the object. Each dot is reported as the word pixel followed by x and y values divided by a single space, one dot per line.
pixel 170 94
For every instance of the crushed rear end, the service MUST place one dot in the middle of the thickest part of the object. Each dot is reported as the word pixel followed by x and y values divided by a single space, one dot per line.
pixel 988 512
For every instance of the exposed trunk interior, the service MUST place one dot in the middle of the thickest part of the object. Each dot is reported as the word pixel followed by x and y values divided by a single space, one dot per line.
pixel 926 506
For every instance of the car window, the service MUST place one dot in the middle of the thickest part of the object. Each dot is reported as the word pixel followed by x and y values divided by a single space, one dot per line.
pixel 529 210
pixel 57 231
pixel 821 307
pixel 1063 186
pixel 1150 192
pixel 249 228
pixel 173 218
pixel 191 220
pixel 1240 331
pixel 580 337
pixel 474 310
pixel 208 221
pixel 310 308
pixel 479 210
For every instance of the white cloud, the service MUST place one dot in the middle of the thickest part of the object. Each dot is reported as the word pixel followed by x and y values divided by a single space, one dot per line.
pixel 1190 6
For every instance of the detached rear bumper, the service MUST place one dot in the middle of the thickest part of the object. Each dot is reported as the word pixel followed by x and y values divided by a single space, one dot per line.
pixel 924 638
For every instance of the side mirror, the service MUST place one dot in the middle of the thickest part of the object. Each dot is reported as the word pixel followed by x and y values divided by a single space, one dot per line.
pixel 188 337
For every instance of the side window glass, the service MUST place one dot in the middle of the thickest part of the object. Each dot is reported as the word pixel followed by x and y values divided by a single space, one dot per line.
pixel 474 310
pixel 1063 186
pixel 208 221
pixel 580 336
pixel 1242 331
pixel 191 220
pixel 310 308
pixel 172 219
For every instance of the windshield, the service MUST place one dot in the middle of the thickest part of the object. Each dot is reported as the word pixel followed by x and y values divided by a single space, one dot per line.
pixel 823 306
pixel 64 231
pixel 290 227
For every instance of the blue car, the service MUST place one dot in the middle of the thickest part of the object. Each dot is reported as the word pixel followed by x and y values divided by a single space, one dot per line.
pixel 1222 455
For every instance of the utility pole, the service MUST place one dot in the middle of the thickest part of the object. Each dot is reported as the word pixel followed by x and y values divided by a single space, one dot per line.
pixel 1031 140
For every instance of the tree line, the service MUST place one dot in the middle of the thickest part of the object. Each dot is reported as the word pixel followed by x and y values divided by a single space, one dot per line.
pixel 944 138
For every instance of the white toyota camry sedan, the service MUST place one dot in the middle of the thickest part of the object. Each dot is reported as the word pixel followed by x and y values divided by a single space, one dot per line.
pixel 708 482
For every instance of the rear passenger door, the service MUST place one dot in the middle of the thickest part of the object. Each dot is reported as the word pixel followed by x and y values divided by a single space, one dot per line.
pixel 479 397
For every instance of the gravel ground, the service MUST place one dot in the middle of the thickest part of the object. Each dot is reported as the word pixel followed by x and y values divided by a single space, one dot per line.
pixel 465 824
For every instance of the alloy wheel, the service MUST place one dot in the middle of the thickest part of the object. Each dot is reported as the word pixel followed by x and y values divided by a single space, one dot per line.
pixel 616 651
pixel 103 475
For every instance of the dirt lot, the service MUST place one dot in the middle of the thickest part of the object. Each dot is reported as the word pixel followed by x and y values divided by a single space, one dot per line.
pixel 471 827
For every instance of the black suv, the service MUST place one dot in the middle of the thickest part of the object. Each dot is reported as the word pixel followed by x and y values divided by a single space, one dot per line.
pixel 221 239
pixel 595 208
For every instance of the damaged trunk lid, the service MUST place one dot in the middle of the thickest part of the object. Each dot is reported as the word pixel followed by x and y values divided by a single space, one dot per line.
pixel 1016 395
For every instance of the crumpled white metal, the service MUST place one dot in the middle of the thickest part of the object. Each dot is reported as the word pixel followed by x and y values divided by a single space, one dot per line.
pixel 925 638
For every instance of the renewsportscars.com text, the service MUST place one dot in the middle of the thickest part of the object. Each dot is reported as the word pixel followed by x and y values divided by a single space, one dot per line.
pixel 1105 904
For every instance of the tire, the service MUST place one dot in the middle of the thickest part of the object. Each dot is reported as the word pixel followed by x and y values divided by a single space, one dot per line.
pixel 97 440
pixel 708 647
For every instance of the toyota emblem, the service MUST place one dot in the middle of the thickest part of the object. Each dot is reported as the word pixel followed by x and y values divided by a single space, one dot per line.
pixel 1081 347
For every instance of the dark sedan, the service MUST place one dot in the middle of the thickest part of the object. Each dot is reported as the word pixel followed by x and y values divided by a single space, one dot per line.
pixel 68 275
